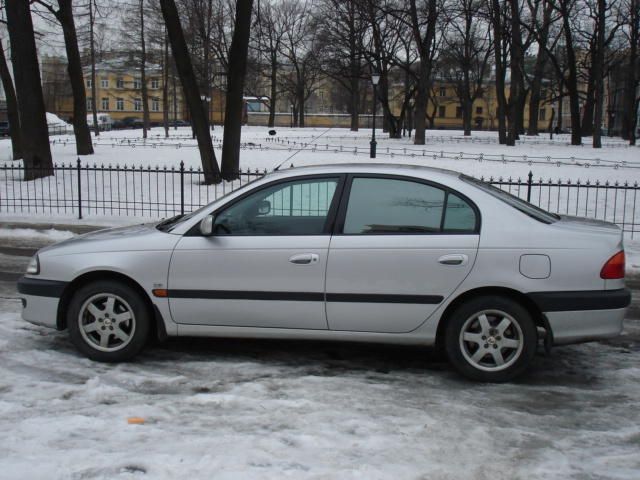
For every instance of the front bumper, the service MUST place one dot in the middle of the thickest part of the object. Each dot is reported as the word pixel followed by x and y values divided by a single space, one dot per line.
pixel 584 316
pixel 40 299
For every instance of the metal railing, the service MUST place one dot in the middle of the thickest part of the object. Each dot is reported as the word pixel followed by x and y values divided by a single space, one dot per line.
pixel 81 190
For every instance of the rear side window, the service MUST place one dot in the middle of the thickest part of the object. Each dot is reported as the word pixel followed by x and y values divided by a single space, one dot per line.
pixel 392 206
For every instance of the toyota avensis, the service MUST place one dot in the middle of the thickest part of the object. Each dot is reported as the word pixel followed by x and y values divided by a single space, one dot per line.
pixel 373 253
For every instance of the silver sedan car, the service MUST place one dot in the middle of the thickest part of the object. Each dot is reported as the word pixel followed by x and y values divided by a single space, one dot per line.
pixel 372 253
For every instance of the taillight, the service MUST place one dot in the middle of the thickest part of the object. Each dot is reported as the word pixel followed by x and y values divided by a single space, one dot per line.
pixel 614 268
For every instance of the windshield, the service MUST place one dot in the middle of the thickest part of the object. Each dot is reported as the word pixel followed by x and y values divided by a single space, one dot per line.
pixel 169 224
pixel 517 203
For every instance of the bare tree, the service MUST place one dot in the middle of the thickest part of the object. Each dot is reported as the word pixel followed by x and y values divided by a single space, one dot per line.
pixel 190 86
pixel 631 101
pixel 466 57
pixel 33 121
pixel 237 70
pixel 64 15
pixel 423 27
pixel 342 31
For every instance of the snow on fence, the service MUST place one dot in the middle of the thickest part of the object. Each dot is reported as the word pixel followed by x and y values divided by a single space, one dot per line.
pixel 83 190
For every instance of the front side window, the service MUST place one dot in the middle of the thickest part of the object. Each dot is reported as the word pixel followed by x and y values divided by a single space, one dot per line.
pixel 293 208
pixel 392 206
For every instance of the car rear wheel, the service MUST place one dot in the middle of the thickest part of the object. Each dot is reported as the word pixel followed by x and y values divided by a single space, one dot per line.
pixel 491 339
pixel 108 321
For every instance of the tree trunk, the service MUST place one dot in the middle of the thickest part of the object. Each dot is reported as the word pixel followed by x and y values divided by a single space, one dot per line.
pixel 237 71
pixel 92 52
pixel 81 130
pixel 496 20
pixel 33 120
pixel 517 71
pixel 354 96
pixel 629 105
pixel 424 73
pixel 273 101
pixel 12 106
pixel 598 74
pixel 572 80
pixel 143 74
pixel 190 88
pixel 589 104
pixel 165 87
pixel 467 110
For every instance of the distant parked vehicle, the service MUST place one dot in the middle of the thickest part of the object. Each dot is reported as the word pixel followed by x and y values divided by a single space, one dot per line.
pixel 180 123
pixel 105 122
pixel 4 129
pixel 128 123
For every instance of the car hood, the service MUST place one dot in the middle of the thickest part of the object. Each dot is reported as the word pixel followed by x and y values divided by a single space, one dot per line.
pixel 137 237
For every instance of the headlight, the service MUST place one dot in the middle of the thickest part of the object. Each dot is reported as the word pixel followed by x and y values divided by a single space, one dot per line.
pixel 34 266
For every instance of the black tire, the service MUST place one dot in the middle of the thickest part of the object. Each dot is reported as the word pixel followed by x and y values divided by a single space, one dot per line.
pixel 477 353
pixel 125 338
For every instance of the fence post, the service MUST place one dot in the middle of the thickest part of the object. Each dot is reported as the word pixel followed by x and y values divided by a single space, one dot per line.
pixel 79 189
pixel 529 183
pixel 181 187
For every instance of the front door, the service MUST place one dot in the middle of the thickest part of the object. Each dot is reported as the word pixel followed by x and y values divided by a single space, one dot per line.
pixel 401 248
pixel 265 264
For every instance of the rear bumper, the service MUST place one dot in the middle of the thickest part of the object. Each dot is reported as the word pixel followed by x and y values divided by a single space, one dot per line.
pixel 40 299
pixel 583 316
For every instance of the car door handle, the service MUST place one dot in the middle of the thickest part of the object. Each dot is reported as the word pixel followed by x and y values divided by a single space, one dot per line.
pixel 304 258
pixel 453 259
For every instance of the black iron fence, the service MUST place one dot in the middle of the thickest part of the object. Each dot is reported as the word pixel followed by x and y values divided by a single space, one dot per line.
pixel 82 190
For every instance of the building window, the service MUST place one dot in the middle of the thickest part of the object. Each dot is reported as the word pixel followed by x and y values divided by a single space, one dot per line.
pixel 105 103
pixel 137 104
pixel 442 111
pixel 458 112
pixel 120 82
pixel 89 104
pixel 443 91
pixel 543 114
pixel 119 104
pixel 88 83
pixel 104 82
pixel 478 110
pixel 137 84
pixel 155 104
pixel 155 83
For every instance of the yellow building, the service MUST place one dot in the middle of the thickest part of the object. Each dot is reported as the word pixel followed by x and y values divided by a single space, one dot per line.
pixel 119 91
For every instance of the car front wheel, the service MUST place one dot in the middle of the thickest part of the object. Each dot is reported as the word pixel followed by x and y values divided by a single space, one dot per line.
pixel 108 321
pixel 491 339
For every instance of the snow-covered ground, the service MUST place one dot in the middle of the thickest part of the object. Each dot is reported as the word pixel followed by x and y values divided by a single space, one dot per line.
pixel 229 409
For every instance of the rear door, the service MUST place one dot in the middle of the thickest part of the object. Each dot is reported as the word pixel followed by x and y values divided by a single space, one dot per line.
pixel 401 247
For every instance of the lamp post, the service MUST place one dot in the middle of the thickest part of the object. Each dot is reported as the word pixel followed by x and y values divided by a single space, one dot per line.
pixel 375 78
pixel 206 101
pixel 292 115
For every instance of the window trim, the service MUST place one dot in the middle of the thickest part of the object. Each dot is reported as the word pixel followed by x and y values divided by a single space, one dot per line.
pixel 329 223
pixel 346 196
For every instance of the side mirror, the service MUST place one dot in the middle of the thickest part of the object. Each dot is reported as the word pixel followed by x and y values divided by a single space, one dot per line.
pixel 264 207
pixel 206 226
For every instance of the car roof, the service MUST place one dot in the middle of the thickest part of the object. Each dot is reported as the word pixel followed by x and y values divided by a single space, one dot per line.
pixel 374 168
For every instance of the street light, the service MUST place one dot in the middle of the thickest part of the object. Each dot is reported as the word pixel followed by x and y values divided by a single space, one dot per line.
pixel 205 99
pixel 292 115
pixel 375 78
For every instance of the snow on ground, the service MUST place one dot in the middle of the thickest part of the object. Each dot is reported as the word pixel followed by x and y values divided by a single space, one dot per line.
pixel 229 409
pixel 51 234
pixel 264 152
